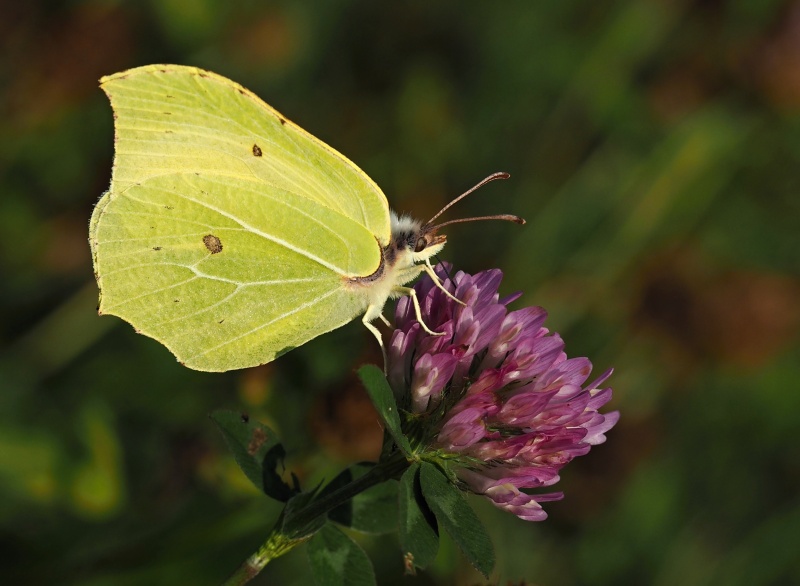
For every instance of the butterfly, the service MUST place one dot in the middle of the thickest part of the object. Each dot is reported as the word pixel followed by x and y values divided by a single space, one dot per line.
pixel 232 235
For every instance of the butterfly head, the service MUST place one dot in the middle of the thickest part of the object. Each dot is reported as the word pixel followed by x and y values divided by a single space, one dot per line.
pixel 414 239
pixel 416 242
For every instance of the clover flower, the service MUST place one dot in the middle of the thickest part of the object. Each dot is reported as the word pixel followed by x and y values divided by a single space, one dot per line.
pixel 496 393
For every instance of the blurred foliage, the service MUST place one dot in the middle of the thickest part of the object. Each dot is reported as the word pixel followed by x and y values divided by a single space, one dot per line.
pixel 653 147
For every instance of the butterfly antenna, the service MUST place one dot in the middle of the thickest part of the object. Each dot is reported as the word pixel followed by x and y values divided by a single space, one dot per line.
pixel 492 177
pixel 508 217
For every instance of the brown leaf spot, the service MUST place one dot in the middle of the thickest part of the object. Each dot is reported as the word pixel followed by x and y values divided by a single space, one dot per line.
pixel 257 151
pixel 258 439
pixel 213 244
pixel 282 120
pixel 156 248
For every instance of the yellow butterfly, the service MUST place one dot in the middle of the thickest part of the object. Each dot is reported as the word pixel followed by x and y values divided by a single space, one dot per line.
pixel 231 235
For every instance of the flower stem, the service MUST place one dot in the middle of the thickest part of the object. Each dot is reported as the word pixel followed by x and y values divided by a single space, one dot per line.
pixel 379 473
pixel 275 546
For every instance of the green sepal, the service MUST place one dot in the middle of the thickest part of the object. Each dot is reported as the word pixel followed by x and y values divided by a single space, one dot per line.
pixel 383 398
pixel 337 560
pixel 372 511
pixel 457 517
pixel 257 451
pixel 417 527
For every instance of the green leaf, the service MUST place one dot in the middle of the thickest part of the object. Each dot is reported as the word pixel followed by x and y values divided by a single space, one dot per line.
pixel 382 397
pixel 257 452
pixel 417 527
pixel 372 511
pixel 336 560
pixel 457 517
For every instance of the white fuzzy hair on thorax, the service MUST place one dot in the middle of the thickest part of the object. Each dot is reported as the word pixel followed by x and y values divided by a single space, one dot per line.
pixel 404 223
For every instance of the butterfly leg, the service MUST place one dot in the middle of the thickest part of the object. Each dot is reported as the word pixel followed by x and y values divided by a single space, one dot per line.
pixel 417 311
pixel 373 311
pixel 436 281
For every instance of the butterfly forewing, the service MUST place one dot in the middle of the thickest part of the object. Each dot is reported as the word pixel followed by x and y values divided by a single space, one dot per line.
pixel 170 118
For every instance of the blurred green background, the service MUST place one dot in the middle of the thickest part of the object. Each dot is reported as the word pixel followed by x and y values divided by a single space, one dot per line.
pixel 653 147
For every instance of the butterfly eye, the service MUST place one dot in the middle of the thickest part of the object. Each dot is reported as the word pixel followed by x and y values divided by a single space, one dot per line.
pixel 421 244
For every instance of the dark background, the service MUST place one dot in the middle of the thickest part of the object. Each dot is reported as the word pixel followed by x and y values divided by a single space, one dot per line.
pixel 653 147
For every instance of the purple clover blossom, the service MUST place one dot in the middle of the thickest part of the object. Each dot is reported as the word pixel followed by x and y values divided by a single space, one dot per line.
pixel 497 390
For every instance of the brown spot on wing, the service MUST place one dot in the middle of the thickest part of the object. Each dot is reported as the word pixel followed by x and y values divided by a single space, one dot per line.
pixel 213 244
pixel 257 151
